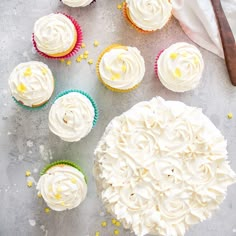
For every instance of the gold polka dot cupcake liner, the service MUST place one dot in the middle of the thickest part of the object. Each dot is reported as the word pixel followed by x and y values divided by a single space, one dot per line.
pixel 109 48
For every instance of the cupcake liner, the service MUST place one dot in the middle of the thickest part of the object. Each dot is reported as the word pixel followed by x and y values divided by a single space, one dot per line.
pixel 92 2
pixel 156 64
pixel 99 76
pixel 63 162
pixel 96 112
pixel 73 51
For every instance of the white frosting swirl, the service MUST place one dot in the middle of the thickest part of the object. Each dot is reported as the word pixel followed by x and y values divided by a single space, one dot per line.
pixel 77 3
pixel 180 67
pixel 122 67
pixel 149 15
pixel 62 187
pixel 31 83
pixel 54 33
pixel 71 117
pixel 161 167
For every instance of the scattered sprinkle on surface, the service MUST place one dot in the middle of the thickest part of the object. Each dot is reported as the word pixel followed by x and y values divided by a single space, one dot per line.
pixel 97 233
pixel 116 232
pixel 47 210
pixel 39 195
pixel 32 222
pixel 104 224
pixel 83 45
pixel 96 43
pixel 68 63
pixel 62 60
pixel 27 173
pixel 119 6
pixel 230 115
pixel 29 184
pixel 113 221
pixel 117 224
pixel 90 61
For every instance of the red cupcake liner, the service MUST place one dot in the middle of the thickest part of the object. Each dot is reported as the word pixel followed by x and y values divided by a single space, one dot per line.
pixel 77 44
pixel 156 64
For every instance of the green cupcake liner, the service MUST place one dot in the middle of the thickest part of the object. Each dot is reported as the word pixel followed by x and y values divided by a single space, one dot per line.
pixel 30 108
pixel 96 112
pixel 64 162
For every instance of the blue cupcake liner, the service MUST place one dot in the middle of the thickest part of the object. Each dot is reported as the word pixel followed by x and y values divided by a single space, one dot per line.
pixel 96 112
pixel 63 162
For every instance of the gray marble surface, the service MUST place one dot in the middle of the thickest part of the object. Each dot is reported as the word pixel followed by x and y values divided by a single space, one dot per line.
pixel 27 144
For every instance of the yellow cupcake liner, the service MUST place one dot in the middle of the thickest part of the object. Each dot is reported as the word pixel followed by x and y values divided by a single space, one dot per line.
pixel 127 17
pixel 98 73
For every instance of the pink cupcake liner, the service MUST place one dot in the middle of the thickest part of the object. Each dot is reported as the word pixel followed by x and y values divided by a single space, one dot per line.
pixel 74 50
pixel 156 64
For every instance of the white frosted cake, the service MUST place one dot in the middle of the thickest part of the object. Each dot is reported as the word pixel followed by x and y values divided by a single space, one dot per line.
pixel 161 167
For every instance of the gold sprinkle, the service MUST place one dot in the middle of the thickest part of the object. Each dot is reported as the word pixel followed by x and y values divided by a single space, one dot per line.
pixel 104 224
pixel 27 173
pixel 21 88
pixel 47 210
pixel 117 223
pixel 58 196
pixel 90 61
pixel 81 56
pixel 97 233
pixel 119 6
pixel 78 59
pixel 96 43
pixel 124 68
pixel 83 45
pixel 85 56
pixel 230 115
pixel 86 53
pixel 116 232
pixel 113 221
pixel 173 55
pixel 28 72
pixel 177 73
pixel 115 76
pixel 29 184
pixel 62 60
pixel 68 63
pixel 44 71
pixel 39 195
pixel 73 181
pixel 196 60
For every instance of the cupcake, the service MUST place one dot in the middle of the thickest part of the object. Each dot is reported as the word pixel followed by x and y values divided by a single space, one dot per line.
pixel 120 68
pixel 147 15
pixel 31 84
pixel 57 36
pixel 72 115
pixel 78 3
pixel 62 185
pixel 162 167
pixel 180 67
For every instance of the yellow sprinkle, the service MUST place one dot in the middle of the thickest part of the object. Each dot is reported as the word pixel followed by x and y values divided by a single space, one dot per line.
pixel 39 195
pixel 115 76
pixel 119 6
pixel 63 203
pixel 123 3
pixel 117 223
pixel 116 232
pixel 96 43
pixel 104 224
pixel 29 184
pixel 27 173
pixel 113 221
pixel 44 71
pixel 230 115
pixel 85 56
pixel 124 68
pixel 28 72
pixel 62 60
pixel 47 210
pixel 73 180
pixel 68 63
pixel 81 56
pixel 177 73
pixel 83 45
pixel 58 196
pixel 196 60
pixel 173 55
pixel 97 233
pixel 90 61
pixel 86 53
pixel 21 88
pixel 78 59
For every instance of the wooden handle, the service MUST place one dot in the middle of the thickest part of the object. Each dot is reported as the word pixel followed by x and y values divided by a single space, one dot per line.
pixel 227 38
